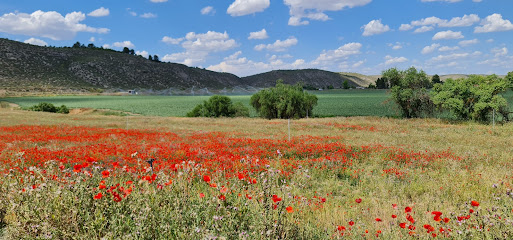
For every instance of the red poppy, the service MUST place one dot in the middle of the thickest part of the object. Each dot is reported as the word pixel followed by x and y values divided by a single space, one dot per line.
pixel 206 178
pixel 98 196
pixel 351 223
pixel 201 195
pixel 446 220
pixel 276 198
pixel 394 216
pixel 248 197
pixel 341 228
pixel 407 209
pixel 358 200
pixel 378 220
pixel 475 203
pixel 437 218
pixel 402 225
pixel 222 197
pixel 105 174
pixel 289 209
pixel 410 218
pixel 471 210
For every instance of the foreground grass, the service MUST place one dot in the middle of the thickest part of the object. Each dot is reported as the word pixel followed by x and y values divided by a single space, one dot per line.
pixel 329 164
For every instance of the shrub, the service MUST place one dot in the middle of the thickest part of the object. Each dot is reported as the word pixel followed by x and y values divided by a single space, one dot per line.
pixel 409 91
pixel 283 101
pixel 48 107
pixel 472 98
pixel 219 106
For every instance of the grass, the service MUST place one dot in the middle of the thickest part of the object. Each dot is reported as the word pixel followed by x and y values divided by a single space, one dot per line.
pixel 426 164
pixel 331 103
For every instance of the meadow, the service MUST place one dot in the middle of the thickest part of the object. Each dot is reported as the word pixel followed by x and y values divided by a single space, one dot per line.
pixel 331 103
pixel 92 176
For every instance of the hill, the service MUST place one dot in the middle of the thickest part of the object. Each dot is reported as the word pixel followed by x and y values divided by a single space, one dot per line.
pixel 46 69
pixel 313 78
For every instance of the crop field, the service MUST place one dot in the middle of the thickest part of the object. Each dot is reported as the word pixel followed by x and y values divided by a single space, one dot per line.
pixel 331 103
pixel 109 177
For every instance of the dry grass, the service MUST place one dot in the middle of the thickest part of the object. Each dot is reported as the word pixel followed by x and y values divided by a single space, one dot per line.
pixel 477 166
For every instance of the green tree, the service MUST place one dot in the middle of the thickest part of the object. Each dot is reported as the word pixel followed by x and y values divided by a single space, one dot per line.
pixel 435 79
pixel 126 50
pixel 473 97
pixel 283 101
pixel 509 78
pixel 156 58
pixel 90 45
pixel 219 106
pixel 392 77
pixel 150 58
pixel 410 92
pixel 381 83
pixel 77 45
pixel 345 85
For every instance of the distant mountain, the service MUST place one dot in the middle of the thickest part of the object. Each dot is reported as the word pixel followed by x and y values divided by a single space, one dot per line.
pixel 30 68
pixel 313 78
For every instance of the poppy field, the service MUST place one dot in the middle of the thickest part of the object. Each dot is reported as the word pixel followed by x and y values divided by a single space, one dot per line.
pixel 70 177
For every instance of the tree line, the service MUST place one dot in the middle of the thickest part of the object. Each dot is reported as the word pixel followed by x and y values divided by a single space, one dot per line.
pixel 126 50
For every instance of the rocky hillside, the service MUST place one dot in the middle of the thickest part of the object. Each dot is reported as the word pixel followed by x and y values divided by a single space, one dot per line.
pixel 314 78
pixel 36 68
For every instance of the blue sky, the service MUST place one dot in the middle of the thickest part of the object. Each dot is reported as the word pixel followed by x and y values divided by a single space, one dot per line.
pixel 246 37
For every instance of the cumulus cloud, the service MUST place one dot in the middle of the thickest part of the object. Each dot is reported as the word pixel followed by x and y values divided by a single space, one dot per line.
pixel 170 40
pixel 198 46
pixel 100 12
pixel 465 21
pixel 142 53
pixel 245 7
pixel 35 41
pixel 278 45
pixel 396 46
pixel 431 48
pixel 424 29
pixel 466 43
pixel 374 27
pixel 447 35
pixel 343 52
pixel 500 51
pixel 394 60
pixel 405 27
pixel 47 24
pixel 314 10
pixel 494 23
pixel 262 34
pixel 449 1
pixel 208 10
pixel 123 44
pixel 447 48
pixel 158 1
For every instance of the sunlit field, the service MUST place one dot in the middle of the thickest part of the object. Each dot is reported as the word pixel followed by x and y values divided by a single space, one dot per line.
pixel 110 177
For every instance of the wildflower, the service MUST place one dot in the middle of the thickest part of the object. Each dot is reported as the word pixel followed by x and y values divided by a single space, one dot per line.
pixel 248 196
pixel 358 200
pixel 394 216
pixel 102 185
pixel 402 225
pixel 341 228
pixel 446 220
pixel 475 203
pixel 98 196
pixel 407 209
pixel 206 178
pixel 276 198
pixel 351 223
pixel 222 197
pixel 224 190
pixel 105 174
pixel 378 220
pixel 201 195
pixel 289 209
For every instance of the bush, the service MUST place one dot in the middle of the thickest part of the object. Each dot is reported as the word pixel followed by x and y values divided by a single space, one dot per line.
pixel 283 101
pixel 219 106
pixel 48 107
pixel 409 91
pixel 473 98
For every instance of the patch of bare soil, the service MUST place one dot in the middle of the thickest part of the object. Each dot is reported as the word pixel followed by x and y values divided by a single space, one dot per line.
pixel 80 111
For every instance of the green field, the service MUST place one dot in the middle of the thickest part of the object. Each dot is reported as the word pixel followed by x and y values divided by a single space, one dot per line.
pixel 331 103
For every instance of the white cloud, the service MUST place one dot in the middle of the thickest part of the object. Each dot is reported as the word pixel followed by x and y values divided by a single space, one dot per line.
pixel 262 34
pixel 145 54
pixel 394 60
pixel 494 23
pixel 123 44
pixel 423 29
pixel 198 46
pixel 158 1
pixel 314 10
pixel 447 35
pixel 430 49
pixel 490 40
pixel 47 24
pixel 427 21
pixel 396 46
pixel 466 43
pixel 100 12
pixel 343 52
pixel 278 46
pixel 405 27
pixel 170 40
pixel 148 15
pixel 500 51
pixel 449 57
pixel 374 27
pixel 92 39
pixel 465 21
pixel 447 48
pixel 35 41
pixel 245 7
pixel 208 10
